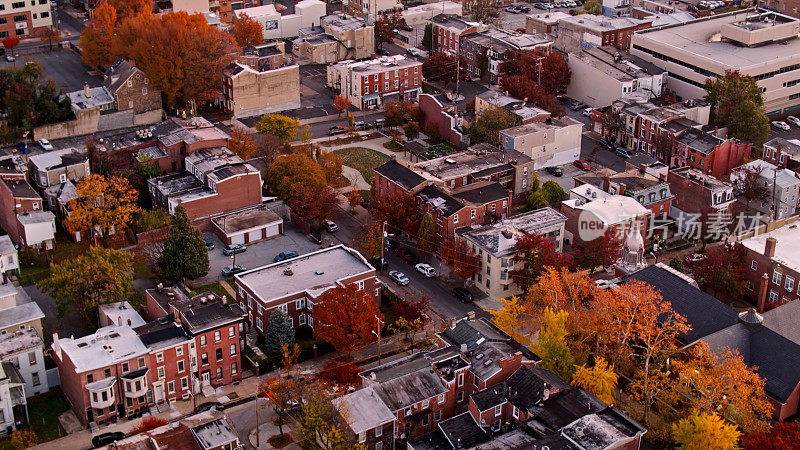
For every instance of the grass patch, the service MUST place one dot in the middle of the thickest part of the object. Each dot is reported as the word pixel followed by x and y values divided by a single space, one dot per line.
pixel 43 412
pixel 393 146
pixel 362 159
pixel 216 288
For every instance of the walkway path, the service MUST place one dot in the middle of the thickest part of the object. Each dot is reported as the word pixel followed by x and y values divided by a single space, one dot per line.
pixel 355 178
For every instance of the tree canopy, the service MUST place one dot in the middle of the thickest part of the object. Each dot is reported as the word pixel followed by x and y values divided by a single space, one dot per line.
pixel 30 100
pixel 247 31
pixel 102 205
pixel 737 103
pixel 704 431
pixel 487 127
pixel 282 127
pixel 346 317
pixel 279 332
pixel 185 255
pixel 441 68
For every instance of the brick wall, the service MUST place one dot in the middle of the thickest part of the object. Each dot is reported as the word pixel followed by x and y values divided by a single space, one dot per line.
pixel 237 192
pixel 220 369
pixel 138 94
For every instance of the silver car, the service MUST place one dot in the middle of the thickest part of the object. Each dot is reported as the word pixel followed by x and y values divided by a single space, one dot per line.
pixel 399 277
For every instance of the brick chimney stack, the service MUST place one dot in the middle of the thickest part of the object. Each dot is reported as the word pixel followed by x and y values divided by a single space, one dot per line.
pixel 606 182
pixel 769 247
pixel 762 292
pixel 622 189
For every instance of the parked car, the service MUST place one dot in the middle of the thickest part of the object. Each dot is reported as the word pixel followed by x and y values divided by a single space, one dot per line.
pixel 587 112
pixel 45 144
pixel 103 439
pixel 426 270
pixel 512 10
pixel 330 226
pixel 283 256
pixel 407 256
pixel 10 58
pixel 407 27
pixel 462 294
pixel 581 164
pixel 383 52
pixel 466 77
pixel 793 120
pixel 208 406
pixel 229 250
pixel 399 277
pixel 209 244
pixel 576 105
pixel 379 123
pixel 337 129
pixel 378 263
pixel 694 258
pixel 605 144
pixel 523 9
pixel 556 171
pixel 359 125
pixel 624 152
pixel 520 30
pixel 412 51
pixel 780 124
pixel 229 271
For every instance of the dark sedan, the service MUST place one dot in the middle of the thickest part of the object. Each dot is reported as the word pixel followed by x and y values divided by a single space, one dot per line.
pixel 463 295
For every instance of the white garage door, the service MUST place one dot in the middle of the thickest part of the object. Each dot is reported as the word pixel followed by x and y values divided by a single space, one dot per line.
pixel 254 235
pixel 273 230
pixel 237 239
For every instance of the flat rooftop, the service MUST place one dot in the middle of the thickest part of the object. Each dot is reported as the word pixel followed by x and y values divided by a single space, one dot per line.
pixel 313 273
pixel 500 238
pixel 215 434
pixel 481 159
pixel 701 38
pixel 617 64
pixel 600 24
pixel 107 346
pixel 786 253
pixel 122 313
pixel 19 341
pixel 245 220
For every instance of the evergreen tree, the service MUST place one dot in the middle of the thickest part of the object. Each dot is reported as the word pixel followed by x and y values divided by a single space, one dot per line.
pixel 427 38
pixel 279 332
pixel 185 254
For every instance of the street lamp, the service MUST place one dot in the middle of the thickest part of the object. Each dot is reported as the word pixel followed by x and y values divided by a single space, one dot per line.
pixel 378 335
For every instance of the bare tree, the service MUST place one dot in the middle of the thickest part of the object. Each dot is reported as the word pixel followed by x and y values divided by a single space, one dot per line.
pixel 664 145
pixel 750 185
pixel 484 11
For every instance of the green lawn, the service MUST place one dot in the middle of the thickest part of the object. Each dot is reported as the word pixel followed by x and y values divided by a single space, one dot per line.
pixel 362 159
pixel 43 412
pixel 213 287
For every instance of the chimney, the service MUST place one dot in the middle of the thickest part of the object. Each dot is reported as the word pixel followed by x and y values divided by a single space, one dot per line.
pixel 463 348
pixel 642 168
pixel 769 247
pixel 471 315
pixel 622 188
pixel 606 182
pixel 86 91
pixel 763 286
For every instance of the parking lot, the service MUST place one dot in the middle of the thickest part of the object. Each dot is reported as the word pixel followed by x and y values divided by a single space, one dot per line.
pixel 64 67
pixel 511 21
pixel 258 254
pixel 792 133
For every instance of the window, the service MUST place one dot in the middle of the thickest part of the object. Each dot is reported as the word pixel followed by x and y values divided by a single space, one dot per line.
pixel 17 5
pixel 455 218
pixel 408 412
pixel 425 420
pixel 159 357
pixel 32 358
pixel 378 431
pixel 259 325
pixel 789 283
pixel 460 396
pixel 515 413
pixel 124 367
pixel 362 437
pixel 130 83
pixel 773 296
pixel 301 320
pixel 219 354
pixel 437 416
pixel 298 304
pixel 472 214
pixel 498 410
pixel 460 379
pixel 754 265
pixel 171 387
pixel 426 404
pixel 233 349
pixel 161 372
pixel 181 367
pixel 89 378
pixel 441 398
pixel 35 378
pixel 231 331
pixel 776 277
pixel 217 336
pixel 184 383
pixel 476 381
pixel 750 286
pixel 202 340
pixel 360 285
pixel 204 359
pixel 107 373
pixel 234 369
pixel 219 373
pixel 144 91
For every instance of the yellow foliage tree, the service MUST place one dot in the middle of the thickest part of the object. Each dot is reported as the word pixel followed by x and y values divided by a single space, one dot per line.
pixel 102 204
pixel 704 431
pixel 511 319
pixel 282 127
pixel 600 380
pixel 551 345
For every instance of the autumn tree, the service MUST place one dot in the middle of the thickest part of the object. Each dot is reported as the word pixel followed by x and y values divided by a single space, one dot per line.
pixel 280 392
pixel 782 436
pixel 289 172
pixel 511 318
pixel 341 372
pixel 149 423
pixel 331 165
pixel 247 31
pixel 704 431
pixel 370 241
pixel 534 252
pixel 411 130
pixel 21 439
pixel 440 67
pixel 49 35
pixel 103 205
pixel 282 127
pixel 431 130
pixel 487 127
pixel 591 7
pixel 551 345
pixel 747 180
pixel 722 271
pixel 97 39
pixel 426 235
pixel 87 280
pixel 385 26
pixel 241 143
pixel 321 423
pixel 738 104
pixel 131 8
pixel 314 203
pixel 602 251
pixel 341 103
pixel 9 42
pixel 485 11
pixel 720 382
pixel 346 317
pixel 395 112
pixel 549 70
pixel 458 256
pixel 354 198
pixel 600 380
pixel 184 255
pixel 279 332
pixel 394 208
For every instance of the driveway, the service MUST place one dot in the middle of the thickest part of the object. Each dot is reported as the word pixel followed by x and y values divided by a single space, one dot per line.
pixel 258 254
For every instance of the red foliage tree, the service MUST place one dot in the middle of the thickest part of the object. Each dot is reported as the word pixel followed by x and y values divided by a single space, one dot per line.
pixel 411 311
pixel 149 423
pixel 397 209
pixel 457 255
pixel 721 272
pixel 440 68
pixel 341 372
pixel 783 436
pixel 555 73
pixel 522 87
pixel 346 317
pixel 10 42
pixel 534 253
pixel 602 251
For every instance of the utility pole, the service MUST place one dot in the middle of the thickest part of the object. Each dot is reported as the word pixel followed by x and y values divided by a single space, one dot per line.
pixel 458 77
pixel 378 335
pixel 383 243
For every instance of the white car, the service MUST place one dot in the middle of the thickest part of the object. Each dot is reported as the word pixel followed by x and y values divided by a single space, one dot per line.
pixel 587 112
pixel 780 124
pixel 399 277
pixel 426 270
pixel 45 144
pixel 793 120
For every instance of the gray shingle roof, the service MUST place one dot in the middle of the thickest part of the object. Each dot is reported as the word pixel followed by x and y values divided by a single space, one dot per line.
pixel 400 174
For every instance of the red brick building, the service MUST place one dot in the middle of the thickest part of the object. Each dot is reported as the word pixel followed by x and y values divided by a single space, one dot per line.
pixel 709 154
pixel 296 284
pixel 651 192
pixel 474 204
pixel 23 216
pixel 369 84
pixel 448 29
pixel 700 194
pixel 441 111
pixel 393 175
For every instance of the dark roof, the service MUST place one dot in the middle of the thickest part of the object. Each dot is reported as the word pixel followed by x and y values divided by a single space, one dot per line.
pixel 405 391
pixel 462 431
pixel 480 193
pixel 261 50
pixel 118 73
pixel 786 146
pixel 444 203
pixel 698 140
pixel 21 189
pixel 703 312
pixel 490 397
pixel 525 388
pixel 400 174
pixel 205 311
pixel 563 408
pixel 160 331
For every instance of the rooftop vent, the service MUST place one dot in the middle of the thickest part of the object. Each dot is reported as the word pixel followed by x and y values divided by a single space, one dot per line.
pixel 319 272
pixel 288 272
pixel 487 363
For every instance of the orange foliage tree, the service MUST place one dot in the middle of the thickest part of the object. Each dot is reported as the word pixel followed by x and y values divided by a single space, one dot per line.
pixel 102 204
pixel 131 8
pixel 247 31
pixel 279 392
pixel 346 317
pixel 341 103
pixel 242 143
pixel 97 40
pixel 149 423
pixel 457 255
pixel 354 198
pixel 397 209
